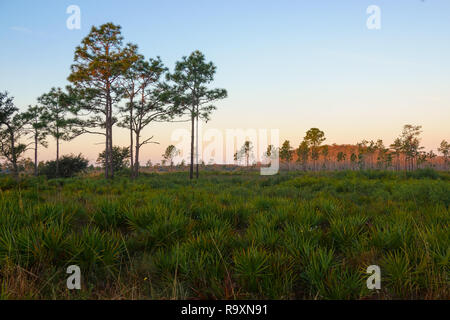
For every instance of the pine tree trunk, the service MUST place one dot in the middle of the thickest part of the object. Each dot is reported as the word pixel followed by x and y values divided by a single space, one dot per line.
pixel 137 149
pixel 111 159
pixel 197 148
pixel 107 159
pixel 57 156
pixel 110 145
pixel 131 139
pixel 191 169
pixel 35 154
pixel 14 157
pixel 106 152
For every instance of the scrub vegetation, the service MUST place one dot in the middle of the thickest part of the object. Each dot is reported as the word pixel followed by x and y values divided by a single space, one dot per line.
pixel 228 235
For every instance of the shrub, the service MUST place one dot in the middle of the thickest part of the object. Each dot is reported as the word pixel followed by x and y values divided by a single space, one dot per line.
pixel 423 174
pixel 120 158
pixel 69 166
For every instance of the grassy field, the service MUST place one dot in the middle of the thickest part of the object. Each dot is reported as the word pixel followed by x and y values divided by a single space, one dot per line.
pixel 227 236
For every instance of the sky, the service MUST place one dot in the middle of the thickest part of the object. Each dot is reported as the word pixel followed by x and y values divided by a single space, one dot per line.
pixel 287 64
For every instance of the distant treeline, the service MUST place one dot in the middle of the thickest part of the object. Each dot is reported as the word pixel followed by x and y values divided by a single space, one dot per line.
pixel 405 153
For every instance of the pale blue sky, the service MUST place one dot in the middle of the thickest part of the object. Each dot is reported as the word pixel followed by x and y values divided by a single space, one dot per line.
pixel 290 65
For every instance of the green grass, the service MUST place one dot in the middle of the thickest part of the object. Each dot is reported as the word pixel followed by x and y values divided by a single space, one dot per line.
pixel 227 236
